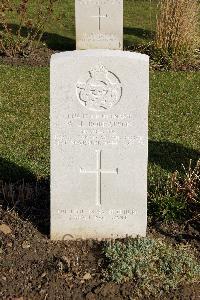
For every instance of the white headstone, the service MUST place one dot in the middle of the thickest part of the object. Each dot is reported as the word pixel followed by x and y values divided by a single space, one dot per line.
pixel 99 140
pixel 99 24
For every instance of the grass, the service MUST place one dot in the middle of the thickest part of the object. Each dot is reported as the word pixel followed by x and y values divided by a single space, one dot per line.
pixel 176 198
pixel 173 114
pixel 24 138
pixel 139 23
pixel 174 126
pixel 173 133
pixel 173 140
pixel 174 119
pixel 177 32
pixel 153 265
pixel 24 112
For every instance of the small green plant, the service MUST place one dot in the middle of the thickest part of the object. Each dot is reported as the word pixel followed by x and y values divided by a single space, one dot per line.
pixel 25 36
pixel 153 265
pixel 177 33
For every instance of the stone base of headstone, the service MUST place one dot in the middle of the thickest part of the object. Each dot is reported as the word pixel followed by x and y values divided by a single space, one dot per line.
pixel 99 141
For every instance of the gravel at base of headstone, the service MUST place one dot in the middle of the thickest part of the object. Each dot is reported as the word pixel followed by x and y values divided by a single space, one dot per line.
pixel 99 141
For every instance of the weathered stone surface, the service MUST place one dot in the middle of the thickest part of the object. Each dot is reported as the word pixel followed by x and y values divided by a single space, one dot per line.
pixel 99 24
pixel 99 138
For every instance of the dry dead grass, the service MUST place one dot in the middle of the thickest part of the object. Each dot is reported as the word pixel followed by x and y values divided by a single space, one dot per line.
pixel 177 34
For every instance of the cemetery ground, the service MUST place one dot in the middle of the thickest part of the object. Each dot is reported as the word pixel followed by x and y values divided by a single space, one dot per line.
pixel 139 28
pixel 34 267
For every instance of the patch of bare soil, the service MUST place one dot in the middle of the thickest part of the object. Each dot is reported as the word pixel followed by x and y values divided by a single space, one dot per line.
pixel 39 58
pixel 34 267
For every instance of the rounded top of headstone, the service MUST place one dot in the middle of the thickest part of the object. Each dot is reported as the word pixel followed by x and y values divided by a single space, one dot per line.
pixel 97 52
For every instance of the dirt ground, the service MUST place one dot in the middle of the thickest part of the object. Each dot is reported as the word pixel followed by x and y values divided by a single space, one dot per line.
pixel 34 267
pixel 39 58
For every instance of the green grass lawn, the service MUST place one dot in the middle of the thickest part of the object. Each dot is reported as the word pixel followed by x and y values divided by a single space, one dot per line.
pixel 174 124
pixel 174 130
pixel 139 23
pixel 24 138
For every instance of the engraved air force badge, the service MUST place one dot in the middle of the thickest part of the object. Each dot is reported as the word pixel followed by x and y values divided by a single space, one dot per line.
pixel 101 90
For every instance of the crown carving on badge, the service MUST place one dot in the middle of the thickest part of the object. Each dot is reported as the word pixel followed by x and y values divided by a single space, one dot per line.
pixel 99 72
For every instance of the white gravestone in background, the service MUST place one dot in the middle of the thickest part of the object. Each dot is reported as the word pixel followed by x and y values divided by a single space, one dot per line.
pixel 99 24
pixel 99 138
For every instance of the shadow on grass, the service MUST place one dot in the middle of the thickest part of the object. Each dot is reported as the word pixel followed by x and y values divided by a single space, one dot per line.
pixel 10 172
pixel 30 198
pixel 172 156
pixel 52 40
pixel 134 36
pixel 58 42
pixel 19 188
pixel 140 33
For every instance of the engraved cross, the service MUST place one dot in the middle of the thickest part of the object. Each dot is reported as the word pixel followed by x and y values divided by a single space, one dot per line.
pixel 99 17
pixel 98 173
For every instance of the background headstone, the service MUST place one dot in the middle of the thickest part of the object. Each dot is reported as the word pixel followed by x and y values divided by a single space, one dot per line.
pixel 99 24
pixel 99 140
